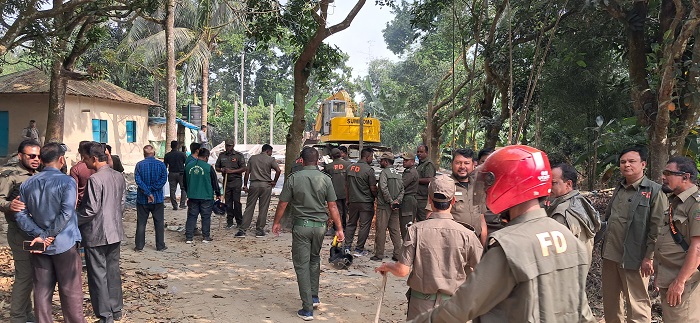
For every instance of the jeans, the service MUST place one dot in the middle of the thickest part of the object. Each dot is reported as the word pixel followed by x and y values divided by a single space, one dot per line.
pixel 195 208
pixel 142 212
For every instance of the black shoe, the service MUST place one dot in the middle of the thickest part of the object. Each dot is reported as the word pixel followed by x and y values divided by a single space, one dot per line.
pixel 394 258
pixel 162 249
pixel 138 250
pixel 375 258
pixel 183 206
pixel 117 316
pixel 207 240
pixel 240 234
pixel 174 207
pixel 230 226
pixel 260 234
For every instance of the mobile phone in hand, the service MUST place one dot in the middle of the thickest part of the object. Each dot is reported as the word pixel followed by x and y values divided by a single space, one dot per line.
pixel 38 246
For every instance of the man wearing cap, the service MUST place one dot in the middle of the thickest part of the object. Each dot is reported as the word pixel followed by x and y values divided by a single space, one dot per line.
pixel 338 170
pixel 410 189
pixel 535 268
pixel 426 170
pixel 362 188
pixel 678 248
pixel 231 164
pixel 438 253
pixel 388 204
pixel 259 171
pixel 464 211
pixel 311 197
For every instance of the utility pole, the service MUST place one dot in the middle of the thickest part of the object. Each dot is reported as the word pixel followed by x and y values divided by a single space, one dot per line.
pixel 271 120
pixel 242 107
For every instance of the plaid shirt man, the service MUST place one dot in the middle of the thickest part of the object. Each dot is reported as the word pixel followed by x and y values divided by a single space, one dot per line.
pixel 151 176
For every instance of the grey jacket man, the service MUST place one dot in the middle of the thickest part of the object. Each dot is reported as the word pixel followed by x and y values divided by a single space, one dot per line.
pixel 100 211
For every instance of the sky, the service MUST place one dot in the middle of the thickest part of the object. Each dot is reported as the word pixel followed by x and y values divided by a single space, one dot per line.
pixel 363 40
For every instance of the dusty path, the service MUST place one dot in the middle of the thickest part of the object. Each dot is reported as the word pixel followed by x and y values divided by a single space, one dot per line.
pixel 251 279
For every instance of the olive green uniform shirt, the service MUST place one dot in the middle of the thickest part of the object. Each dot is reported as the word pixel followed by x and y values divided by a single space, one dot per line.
pixel 559 210
pixel 233 160
pixel 11 177
pixel 441 253
pixel 464 210
pixel 425 169
pixel 308 192
pixel 620 210
pixel 338 171
pixel 410 181
pixel 670 256
pixel 534 271
pixel 260 167
pixel 390 187
pixel 360 179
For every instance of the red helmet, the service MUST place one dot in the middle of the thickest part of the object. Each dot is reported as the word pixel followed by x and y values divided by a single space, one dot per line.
pixel 513 175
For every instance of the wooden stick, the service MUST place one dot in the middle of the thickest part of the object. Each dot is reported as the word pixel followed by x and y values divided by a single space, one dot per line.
pixel 379 307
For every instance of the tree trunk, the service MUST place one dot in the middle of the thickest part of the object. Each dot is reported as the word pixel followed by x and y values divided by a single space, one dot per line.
pixel 432 135
pixel 295 136
pixel 205 90
pixel 57 104
pixel 643 101
pixel 689 107
pixel 170 125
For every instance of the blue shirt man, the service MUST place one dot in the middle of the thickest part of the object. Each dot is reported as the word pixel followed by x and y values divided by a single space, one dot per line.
pixel 49 216
pixel 151 175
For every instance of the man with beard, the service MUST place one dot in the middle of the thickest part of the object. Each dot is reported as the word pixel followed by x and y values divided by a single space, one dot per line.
pixel 572 209
pixel 464 211
pixel 678 248
pixel 11 177
pixel 426 171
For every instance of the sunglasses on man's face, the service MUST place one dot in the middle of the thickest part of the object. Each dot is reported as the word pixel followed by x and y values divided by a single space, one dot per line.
pixel 31 156
pixel 667 172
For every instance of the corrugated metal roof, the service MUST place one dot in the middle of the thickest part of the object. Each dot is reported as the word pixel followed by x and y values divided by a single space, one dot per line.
pixel 162 120
pixel 36 81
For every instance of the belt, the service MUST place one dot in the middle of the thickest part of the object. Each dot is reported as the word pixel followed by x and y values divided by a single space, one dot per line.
pixel 432 297
pixel 309 223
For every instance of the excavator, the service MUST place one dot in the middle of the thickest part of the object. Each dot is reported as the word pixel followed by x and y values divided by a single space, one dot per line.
pixel 337 124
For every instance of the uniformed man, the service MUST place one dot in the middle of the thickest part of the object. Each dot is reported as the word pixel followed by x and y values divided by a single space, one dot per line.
pixel 344 153
pixel 570 208
pixel 11 177
pixel 410 189
pixel 634 215
pixel 308 193
pixel 389 201
pixel 493 221
pixel 426 171
pixel 259 171
pixel 535 269
pixel 338 170
pixel 465 211
pixel 231 164
pixel 678 248
pixel 439 253
pixel 362 188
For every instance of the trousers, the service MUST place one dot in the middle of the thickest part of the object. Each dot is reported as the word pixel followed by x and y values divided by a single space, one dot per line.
pixel 306 257
pixel 105 281
pixel 21 310
pixel 628 286
pixel 387 218
pixel 198 207
pixel 175 179
pixel 232 197
pixel 142 212
pixel 64 269
pixel 362 213
pixel 257 192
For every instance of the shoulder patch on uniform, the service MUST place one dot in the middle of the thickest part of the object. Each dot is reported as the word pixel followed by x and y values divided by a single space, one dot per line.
pixel 6 173
pixel 697 197
pixel 697 215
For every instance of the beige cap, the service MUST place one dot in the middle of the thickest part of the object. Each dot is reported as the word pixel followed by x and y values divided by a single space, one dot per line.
pixel 408 155
pixel 230 142
pixel 441 184
pixel 388 156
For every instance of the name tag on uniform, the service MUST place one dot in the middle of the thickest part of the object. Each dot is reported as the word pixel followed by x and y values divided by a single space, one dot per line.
pixel 458 193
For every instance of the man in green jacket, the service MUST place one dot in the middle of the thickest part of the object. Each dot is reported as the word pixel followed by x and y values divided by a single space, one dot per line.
pixel 426 170
pixel 201 184
pixel 634 215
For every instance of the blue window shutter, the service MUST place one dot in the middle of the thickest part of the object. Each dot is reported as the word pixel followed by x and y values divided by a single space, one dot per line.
pixel 103 131
pixel 96 130
pixel 131 131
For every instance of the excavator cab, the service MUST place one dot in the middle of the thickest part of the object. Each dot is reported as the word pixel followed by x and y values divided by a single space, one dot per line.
pixel 336 121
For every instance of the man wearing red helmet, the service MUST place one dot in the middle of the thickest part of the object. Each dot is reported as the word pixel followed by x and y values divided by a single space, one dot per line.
pixel 535 268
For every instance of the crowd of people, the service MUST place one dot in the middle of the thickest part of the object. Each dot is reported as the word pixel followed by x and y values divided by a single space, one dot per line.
pixel 503 237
